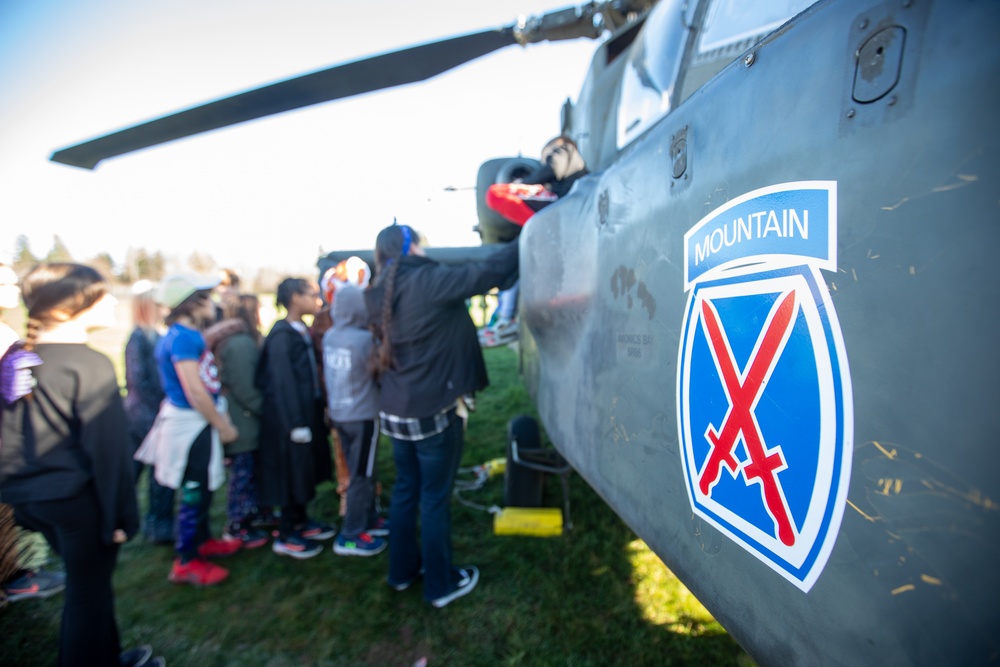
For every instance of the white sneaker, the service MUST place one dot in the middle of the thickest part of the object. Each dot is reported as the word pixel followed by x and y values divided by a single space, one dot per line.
pixel 470 577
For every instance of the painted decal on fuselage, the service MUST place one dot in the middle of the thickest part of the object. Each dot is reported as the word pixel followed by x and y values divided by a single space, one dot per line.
pixel 764 410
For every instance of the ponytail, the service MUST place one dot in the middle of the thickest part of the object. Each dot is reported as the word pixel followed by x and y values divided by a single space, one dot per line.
pixel 392 243
pixel 383 351
pixel 32 329
pixel 57 292
pixel 53 293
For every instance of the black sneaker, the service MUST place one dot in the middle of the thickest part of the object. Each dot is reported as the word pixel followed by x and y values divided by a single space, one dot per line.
pixel 380 528
pixel 266 519
pixel 317 530
pixel 406 584
pixel 469 578
pixel 34 584
pixel 251 537
pixel 296 546
pixel 362 545
pixel 136 657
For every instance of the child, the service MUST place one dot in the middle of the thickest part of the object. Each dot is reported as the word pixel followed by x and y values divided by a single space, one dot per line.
pixel 352 401
pixel 142 402
pixel 185 442
pixel 235 341
pixel 20 568
pixel 294 451
pixel 356 271
pixel 65 462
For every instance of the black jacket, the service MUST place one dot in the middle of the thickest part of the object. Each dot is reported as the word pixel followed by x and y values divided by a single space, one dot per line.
pixel 435 350
pixel 285 376
pixel 142 381
pixel 72 432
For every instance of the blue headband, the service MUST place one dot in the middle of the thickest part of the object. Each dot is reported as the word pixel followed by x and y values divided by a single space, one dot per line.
pixel 407 240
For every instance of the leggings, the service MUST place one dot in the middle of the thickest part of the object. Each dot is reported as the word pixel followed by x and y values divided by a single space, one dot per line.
pixel 89 633
pixel 242 501
pixel 192 516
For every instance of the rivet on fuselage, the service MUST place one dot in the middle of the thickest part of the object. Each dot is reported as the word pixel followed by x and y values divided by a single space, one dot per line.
pixel 750 57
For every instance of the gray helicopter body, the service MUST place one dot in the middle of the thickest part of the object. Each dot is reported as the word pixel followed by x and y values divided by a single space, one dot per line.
pixel 889 362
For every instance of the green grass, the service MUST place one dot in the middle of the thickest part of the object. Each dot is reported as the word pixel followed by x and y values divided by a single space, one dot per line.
pixel 596 596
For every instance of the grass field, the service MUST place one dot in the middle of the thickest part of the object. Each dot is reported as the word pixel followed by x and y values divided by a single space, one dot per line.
pixel 595 596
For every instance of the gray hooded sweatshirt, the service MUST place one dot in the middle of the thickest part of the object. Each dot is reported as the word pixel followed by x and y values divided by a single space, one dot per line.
pixel 352 394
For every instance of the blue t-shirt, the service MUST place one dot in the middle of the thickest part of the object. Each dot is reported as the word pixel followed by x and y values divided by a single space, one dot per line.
pixel 182 343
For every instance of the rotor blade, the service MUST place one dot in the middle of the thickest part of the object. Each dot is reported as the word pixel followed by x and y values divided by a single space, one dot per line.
pixel 410 65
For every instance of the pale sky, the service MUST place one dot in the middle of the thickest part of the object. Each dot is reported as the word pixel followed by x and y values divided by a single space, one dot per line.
pixel 274 191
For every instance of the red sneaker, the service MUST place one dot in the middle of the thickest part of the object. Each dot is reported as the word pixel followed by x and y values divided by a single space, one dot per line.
pixel 198 572
pixel 219 548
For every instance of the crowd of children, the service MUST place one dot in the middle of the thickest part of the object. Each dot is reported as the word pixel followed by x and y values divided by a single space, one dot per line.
pixel 356 355
pixel 205 391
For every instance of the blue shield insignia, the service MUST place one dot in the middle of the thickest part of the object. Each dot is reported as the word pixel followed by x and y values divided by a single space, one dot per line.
pixel 764 405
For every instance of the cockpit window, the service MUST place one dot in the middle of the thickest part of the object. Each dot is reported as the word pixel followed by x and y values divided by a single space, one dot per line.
pixel 732 21
pixel 651 71
pixel 650 74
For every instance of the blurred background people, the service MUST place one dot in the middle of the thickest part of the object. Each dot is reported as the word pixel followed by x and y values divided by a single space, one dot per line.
pixel 229 286
pixel 561 166
pixel 236 341
pixel 142 403
pixel 351 271
pixel 352 404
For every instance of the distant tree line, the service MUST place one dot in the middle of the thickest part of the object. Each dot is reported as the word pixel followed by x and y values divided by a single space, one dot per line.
pixel 139 264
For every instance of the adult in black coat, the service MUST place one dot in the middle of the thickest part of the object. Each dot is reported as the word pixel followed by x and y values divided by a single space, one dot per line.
pixel 294 451
pixel 429 358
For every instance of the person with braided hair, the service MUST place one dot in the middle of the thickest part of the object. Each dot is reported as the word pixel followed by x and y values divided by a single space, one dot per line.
pixel 427 359
pixel 22 552
pixel 65 465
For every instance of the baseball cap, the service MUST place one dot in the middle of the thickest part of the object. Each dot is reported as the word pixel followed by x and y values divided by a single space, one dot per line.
pixel 176 288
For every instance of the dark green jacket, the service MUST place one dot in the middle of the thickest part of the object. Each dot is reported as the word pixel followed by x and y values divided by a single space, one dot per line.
pixel 236 353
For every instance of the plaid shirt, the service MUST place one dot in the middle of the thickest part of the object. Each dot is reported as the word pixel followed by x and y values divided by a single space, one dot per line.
pixel 412 429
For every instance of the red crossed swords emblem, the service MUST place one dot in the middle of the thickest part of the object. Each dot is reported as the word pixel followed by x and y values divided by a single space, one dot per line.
pixel 743 395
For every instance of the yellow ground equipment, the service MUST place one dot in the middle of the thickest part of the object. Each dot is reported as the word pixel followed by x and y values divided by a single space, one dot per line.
pixel 534 521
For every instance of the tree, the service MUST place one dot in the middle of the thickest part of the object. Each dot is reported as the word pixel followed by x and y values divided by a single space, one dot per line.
pixel 104 263
pixel 266 281
pixel 24 260
pixel 59 251
pixel 155 266
pixel 201 263
pixel 140 264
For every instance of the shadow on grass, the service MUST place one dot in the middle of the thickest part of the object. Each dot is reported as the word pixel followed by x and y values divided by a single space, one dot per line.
pixel 595 596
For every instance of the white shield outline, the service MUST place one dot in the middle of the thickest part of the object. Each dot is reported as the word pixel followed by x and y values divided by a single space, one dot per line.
pixel 801 563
